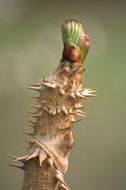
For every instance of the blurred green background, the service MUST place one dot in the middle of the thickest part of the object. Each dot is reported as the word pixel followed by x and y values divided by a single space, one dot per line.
pixel 31 46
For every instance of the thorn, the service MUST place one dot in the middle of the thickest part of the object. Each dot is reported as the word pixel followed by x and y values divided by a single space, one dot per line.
pixel 71 111
pixel 92 95
pixel 44 109
pixel 80 115
pixel 79 95
pixel 50 161
pixel 51 110
pixel 34 154
pixel 32 122
pixel 87 92
pixel 92 91
pixel 53 85
pixel 49 85
pixel 33 126
pixel 59 176
pixel 35 85
pixel 33 114
pixel 64 110
pixel 12 156
pixel 58 110
pixel 62 91
pixel 27 133
pixel 54 112
pixel 64 187
pixel 72 95
pixel 50 81
pixel 42 157
pixel 34 88
pixel 74 120
pixel 21 159
pixel 79 111
pixel 16 166
pixel 79 106
pixel 36 97
pixel 35 106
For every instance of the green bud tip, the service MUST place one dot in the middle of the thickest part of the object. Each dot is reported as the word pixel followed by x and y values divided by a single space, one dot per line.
pixel 73 33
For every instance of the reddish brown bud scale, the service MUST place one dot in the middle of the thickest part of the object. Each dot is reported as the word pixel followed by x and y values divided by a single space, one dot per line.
pixel 86 44
pixel 71 53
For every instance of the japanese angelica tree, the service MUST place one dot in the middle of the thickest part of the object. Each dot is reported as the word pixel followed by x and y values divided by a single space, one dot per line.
pixel 58 104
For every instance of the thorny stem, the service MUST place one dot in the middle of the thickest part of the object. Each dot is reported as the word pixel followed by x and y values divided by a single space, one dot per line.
pixel 58 103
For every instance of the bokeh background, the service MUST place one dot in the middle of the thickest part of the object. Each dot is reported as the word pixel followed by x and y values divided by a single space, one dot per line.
pixel 31 46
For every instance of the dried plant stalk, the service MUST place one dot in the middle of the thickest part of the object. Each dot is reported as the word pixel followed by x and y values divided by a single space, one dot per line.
pixel 58 103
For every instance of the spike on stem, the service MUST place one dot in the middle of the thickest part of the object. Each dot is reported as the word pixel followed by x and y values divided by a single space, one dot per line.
pixel 27 133
pixel 33 114
pixel 17 166
pixel 32 122
pixel 36 88
pixel 35 106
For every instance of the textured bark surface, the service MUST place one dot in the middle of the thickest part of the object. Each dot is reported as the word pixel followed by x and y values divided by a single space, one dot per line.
pixel 57 106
